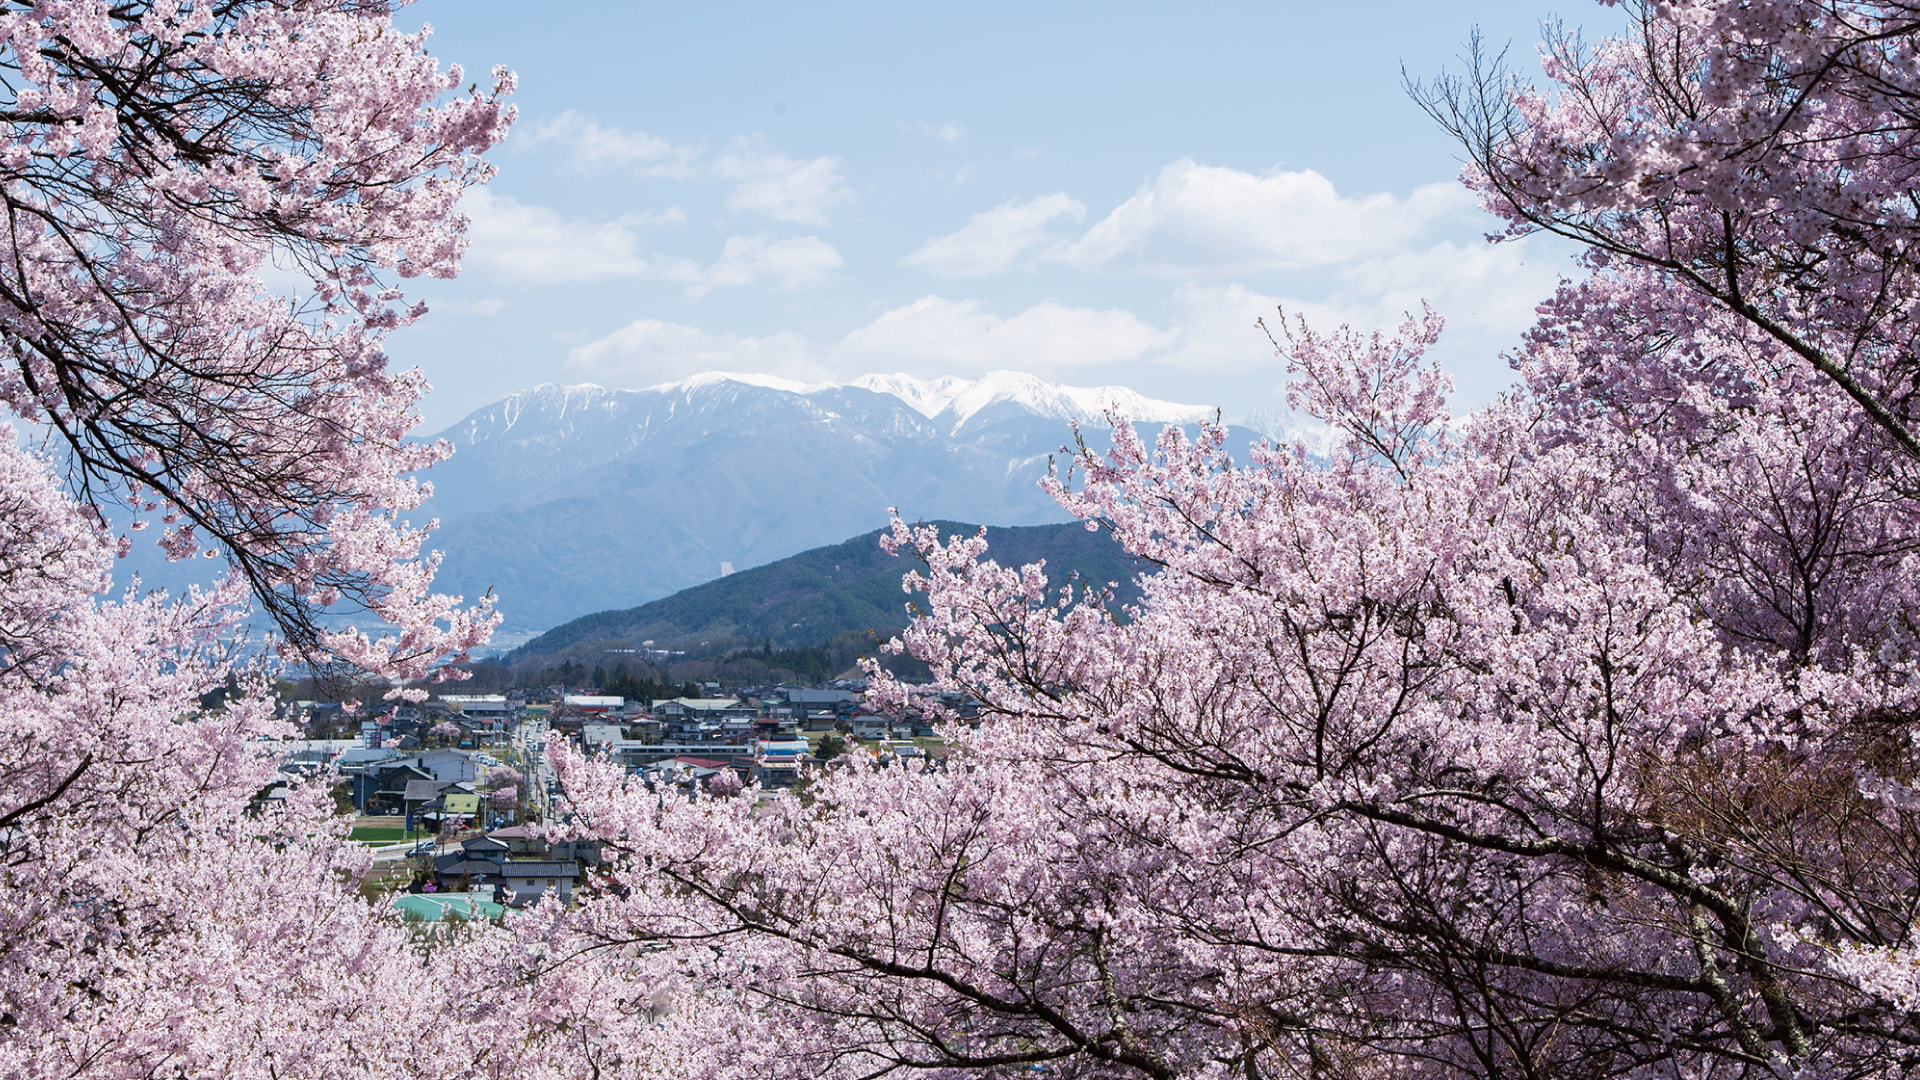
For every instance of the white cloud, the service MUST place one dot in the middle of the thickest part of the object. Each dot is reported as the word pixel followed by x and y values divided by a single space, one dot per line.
pixel 958 336
pixel 595 146
pixel 535 245
pixel 1487 293
pixel 1205 348
pixel 1206 221
pixel 765 181
pixel 1214 330
pixel 782 188
pixel 789 264
pixel 1481 287
pixel 993 240
pixel 649 350
pixel 512 240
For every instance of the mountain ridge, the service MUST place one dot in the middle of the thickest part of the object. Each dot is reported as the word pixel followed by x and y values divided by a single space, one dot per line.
pixel 813 596
pixel 563 500
pixel 932 398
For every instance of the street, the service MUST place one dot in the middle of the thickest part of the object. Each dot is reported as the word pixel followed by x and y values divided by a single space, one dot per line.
pixel 532 740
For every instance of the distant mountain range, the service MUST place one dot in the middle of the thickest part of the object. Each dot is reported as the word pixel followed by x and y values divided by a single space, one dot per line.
pixel 809 598
pixel 577 499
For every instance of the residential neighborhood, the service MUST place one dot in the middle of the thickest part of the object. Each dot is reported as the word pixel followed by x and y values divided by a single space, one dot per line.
pixel 458 802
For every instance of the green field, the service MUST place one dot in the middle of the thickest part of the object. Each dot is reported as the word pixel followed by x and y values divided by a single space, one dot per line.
pixel 376 834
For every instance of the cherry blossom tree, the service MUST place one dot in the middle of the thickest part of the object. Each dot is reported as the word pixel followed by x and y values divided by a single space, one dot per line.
pixel 1427 755
pixel 1760 156
pixel 157 158
pixel 172 903
pixel 1574 738
pixel 725 784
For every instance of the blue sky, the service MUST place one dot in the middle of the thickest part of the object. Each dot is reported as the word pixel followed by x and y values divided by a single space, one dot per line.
pixel 1099 194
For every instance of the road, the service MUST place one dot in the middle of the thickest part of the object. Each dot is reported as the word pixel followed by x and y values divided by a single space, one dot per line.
pixel 532 738
pixel 384 853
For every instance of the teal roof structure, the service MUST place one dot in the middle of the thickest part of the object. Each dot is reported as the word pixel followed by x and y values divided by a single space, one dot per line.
pixel 437 907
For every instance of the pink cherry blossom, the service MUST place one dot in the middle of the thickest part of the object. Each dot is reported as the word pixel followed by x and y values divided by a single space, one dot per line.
pixel 158 156
pixel 1568 737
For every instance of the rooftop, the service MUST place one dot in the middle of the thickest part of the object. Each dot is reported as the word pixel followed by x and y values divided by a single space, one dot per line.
pixel 527 868
pixel 435 907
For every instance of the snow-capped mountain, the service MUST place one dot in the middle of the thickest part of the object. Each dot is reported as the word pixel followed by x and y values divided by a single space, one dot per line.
pixel 961 399
pixel 571 499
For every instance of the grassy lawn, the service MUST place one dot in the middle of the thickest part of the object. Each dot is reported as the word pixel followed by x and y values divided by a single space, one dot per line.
pixel 377 834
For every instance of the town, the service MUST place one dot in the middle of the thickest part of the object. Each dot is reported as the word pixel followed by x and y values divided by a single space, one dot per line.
pixel 455 796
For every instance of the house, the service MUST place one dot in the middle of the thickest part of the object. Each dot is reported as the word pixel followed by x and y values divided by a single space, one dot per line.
pixel 438 800
pixel 419 794
pixel 690 774
pixel 777 762
pixel 271 795
pixel 382 788
pixel 459 804
pixel 821 707
pixel 461 872
pixel 527 881
pixel 486 847
pixel 478 706
pixel 584 852
pixel 455 765
pixel 593 704
pixel 705 719
pixel 638 755
pixel 519 840
pixel 359 760
pixel 598 735
pixel 713 708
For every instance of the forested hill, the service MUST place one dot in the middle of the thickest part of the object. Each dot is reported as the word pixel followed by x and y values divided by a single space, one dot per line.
pixel 809 598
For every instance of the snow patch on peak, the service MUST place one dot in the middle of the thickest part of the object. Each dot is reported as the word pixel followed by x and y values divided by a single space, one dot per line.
pixel 548 389
pixel 715 378
pixel 963 398
pixel 952 399
pixel 928 397
pixel 558 398
pixel 550 401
